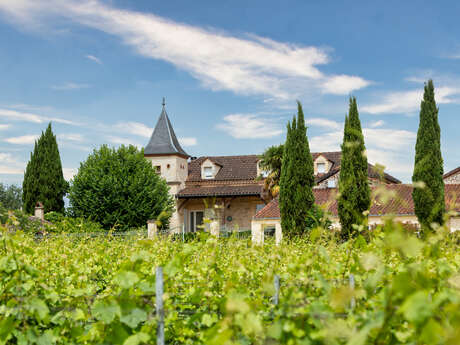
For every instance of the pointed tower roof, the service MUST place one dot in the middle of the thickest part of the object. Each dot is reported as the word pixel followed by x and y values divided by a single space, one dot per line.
pixel 163 140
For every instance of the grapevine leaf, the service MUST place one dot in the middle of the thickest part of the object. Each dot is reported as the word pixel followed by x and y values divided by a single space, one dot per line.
pixel 106 311
pixel 126 279
pixel 38 306
pixel 137 339
pixel 416 307
pixel 134 318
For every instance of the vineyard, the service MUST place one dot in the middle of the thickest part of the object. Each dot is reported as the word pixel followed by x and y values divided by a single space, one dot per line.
pixel 101 290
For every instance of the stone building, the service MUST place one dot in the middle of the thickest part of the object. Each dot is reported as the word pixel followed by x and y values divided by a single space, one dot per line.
pixel 223 188
pixel 327 171
pixel 452 176
pixel 227 189
pixel 387 200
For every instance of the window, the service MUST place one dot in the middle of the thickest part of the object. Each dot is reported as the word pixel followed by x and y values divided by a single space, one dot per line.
pixel 157 169
pixel 269 231
pixel 331 183
pixel 259 207
pixel 321 168
pixel 196 220
pixel 208 172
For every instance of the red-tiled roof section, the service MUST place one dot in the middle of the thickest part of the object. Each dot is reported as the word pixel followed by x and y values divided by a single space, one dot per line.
pixel 452 172
pixel 371 171
pixel 220 191
pixel 232 168
pixel 386 199
pixel 245 167
pixel 271 210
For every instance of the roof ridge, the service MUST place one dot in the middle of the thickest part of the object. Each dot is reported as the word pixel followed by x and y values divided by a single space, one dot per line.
pixel 450 173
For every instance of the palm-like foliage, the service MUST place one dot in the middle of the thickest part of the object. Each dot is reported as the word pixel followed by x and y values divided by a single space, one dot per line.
pixel 270 161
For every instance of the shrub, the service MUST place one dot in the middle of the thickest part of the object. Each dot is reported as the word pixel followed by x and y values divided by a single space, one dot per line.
pixel 316 217
pixel 118 188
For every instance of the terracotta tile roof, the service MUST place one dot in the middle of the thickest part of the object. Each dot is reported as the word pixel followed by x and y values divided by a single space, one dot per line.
pixel 371 171
pixel 245 167
pixel 452 172
pixel 232 167
pixel 220 191
pixel 387 199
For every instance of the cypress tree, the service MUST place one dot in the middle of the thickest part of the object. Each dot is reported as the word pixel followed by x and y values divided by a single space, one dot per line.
pixel 429 200
pixel 297 179
pixel 286 188
pixel 354 190
pixel 43 178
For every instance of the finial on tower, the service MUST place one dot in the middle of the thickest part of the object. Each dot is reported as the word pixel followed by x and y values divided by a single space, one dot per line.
pixel 164 102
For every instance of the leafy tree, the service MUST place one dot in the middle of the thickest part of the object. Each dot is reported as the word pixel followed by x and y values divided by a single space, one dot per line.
pixel 297 180
pixel 354 191
pixel 11 196
pixel 317 218
pixel 429 199
pixel 43 178
pixel 271 161
pixel 118 188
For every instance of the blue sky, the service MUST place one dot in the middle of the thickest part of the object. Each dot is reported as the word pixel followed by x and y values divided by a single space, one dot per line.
pixel 230 71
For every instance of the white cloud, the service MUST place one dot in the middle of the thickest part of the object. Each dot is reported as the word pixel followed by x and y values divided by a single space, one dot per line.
pixel 385 146
pixel 9 165
pixel 134 128
pixel 394 162
pixel 93 58
pixel 70 86
pixel 344 84
pixel 322 122
pixel 326 142
pixel 376 124
pixel 187 141
pixel 409 101
pixel 22 140
pixel 244 65
pixel 4 126
pixel 69 173
pixel 123 141
pixel 249 126
pixel 75 137
pixel 16 115
pixel 388 139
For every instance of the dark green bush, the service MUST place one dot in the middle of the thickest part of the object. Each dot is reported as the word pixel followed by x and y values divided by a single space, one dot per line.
pixel 118 189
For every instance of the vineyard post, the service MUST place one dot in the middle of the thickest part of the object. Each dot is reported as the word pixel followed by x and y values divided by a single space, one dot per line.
pixel 276 282
pixel 352 286
pixel 159 305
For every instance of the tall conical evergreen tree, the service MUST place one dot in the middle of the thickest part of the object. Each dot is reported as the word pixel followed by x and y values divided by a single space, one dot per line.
pixel 286 191
pixel 43 178
pixel 429 201
pixel 354 187
pixel 297 179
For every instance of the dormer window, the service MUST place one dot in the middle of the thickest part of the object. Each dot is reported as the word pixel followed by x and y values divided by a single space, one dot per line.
pixel 321 168
pixel 208 173
pixel 209 169
pixel 331 183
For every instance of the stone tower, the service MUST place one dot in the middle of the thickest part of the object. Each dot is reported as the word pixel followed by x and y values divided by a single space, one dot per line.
pixel 168 159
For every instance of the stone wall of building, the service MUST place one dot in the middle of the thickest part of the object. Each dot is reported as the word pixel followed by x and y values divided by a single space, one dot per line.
pixel 234 212
pixel 455 223
pixel 453 179
pixel 325 183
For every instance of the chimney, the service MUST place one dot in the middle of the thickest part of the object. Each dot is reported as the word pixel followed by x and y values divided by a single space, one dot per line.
pixel 39 211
